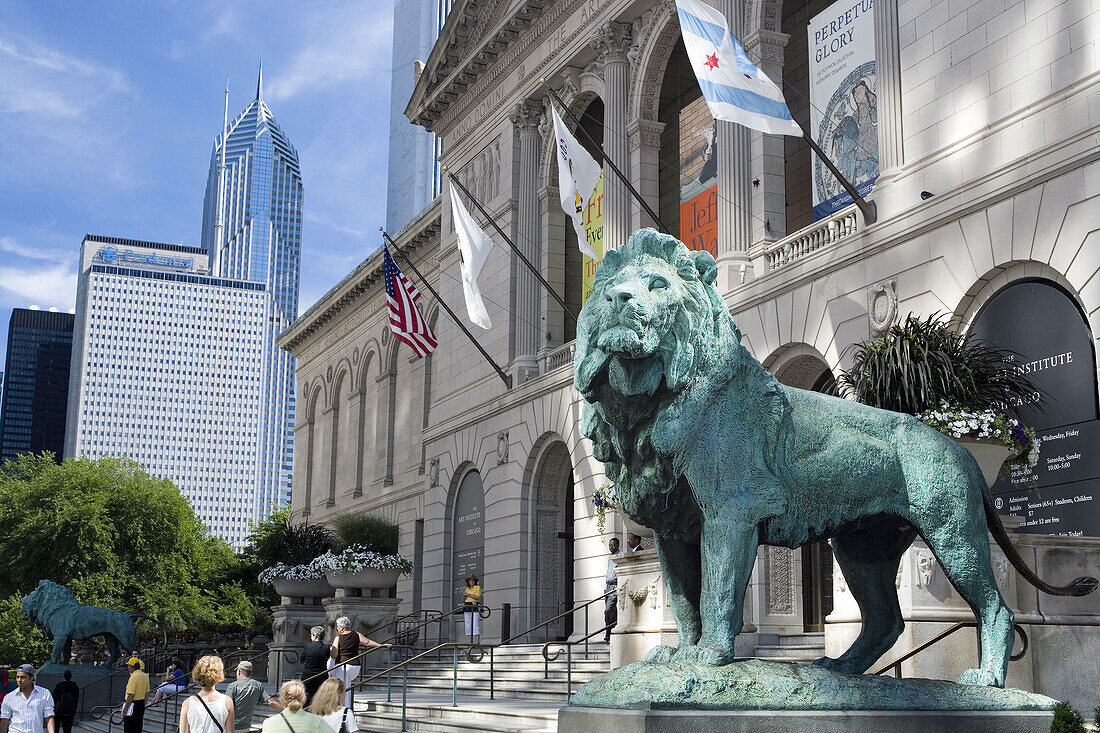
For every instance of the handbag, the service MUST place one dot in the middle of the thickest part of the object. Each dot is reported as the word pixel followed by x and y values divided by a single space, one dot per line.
pixel 344 722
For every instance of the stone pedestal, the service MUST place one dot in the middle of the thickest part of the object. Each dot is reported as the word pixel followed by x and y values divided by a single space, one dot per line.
pixel 1063 632
pixel 600 720
pixel 368 616
pixel 290 627
pixel 645 617
pixel 98 685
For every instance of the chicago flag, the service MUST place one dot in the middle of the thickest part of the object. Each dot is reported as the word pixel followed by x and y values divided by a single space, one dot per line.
pixel 734 88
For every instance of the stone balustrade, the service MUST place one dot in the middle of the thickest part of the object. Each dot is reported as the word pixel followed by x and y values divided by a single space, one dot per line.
pixel 837 226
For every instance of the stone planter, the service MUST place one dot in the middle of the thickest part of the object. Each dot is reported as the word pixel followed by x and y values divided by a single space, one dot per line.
pixel 990 456
pixel 365 579
pixel 315 588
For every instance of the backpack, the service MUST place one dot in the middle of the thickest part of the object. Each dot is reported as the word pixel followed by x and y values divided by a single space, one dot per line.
pixel 66 703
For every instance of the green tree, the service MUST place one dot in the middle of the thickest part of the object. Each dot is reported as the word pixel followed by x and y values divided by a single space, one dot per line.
pixel 114 536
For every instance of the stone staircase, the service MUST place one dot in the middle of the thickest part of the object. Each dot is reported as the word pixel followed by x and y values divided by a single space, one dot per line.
pixel 791 647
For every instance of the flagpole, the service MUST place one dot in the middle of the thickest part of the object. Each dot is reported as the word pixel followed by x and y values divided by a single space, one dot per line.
pixel 507 379
pixel 610 163
pixel 867 207
pixel 532 268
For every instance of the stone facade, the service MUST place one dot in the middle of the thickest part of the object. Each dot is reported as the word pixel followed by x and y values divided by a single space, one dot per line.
pixel 991 107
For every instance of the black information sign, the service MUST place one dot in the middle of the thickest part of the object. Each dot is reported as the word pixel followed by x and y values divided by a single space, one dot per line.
pixel 469 539
pixel 1052 345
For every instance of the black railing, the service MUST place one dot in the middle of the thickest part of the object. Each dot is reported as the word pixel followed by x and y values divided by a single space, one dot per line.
pixel 896 664
pixel 567 646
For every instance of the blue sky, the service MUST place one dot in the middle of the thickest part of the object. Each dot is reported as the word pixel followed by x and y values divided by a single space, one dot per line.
pixel 108 113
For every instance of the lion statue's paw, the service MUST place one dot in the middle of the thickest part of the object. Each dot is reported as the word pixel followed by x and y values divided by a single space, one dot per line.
pixel 660 655
pixel 978 677
pixel 829 663
pixel 710 656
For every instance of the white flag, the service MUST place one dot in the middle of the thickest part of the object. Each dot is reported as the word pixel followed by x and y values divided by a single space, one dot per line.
pixel 578 173
pixel 734 88
pixel 473 250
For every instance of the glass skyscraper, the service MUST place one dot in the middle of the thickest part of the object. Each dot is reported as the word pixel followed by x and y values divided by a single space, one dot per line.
pixel 32 412
pixel 256 237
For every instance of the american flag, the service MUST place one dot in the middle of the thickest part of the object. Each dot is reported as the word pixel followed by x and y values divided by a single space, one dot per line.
pixel 405 320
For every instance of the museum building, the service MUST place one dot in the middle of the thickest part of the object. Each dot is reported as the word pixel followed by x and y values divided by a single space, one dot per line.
pixel 974 130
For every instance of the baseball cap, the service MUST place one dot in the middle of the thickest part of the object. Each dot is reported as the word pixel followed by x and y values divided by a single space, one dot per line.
pixel 134 662
pixel 26 669
pixel 245 666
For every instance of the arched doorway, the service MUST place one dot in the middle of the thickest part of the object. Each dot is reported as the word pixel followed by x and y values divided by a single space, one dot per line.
pixel 468 545
pixel 810 372
pixel 553 527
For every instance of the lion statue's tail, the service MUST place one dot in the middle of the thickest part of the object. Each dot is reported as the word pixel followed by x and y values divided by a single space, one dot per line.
pixel 1078 587
pixel 160 627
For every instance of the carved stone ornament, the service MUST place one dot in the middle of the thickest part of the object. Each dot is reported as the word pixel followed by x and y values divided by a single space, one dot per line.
pixel 386 335
pixel 526 117
pixel 926 565
pixel 355 356
pixel 1000 569
pixel 639 595
pixel 433 472
pixel 502 448
pixel 328 374
pixel 882 304
pixel 612 41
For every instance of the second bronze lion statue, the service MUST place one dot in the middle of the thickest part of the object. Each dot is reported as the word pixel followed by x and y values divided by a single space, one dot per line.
pixel 706 447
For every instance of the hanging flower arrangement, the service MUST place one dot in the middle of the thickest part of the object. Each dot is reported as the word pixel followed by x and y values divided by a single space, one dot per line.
pixel 603 498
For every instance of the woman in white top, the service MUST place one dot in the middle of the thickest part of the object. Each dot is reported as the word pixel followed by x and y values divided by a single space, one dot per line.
pixel 292 718
pixel 328 704
pixel 209 711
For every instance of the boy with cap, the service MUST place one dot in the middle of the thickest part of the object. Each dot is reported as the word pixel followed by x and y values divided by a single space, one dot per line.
pixel 137 689
pixel 245 692
pixel 26 708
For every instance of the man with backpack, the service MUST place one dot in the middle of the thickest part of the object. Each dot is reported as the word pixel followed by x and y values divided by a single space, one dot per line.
pixel 66 698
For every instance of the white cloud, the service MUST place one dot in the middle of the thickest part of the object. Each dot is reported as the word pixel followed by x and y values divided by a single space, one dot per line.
pixel 343 49
pixel 11 246
pixel 44 286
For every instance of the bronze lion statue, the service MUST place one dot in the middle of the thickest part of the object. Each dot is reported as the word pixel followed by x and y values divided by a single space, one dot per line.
pixel 708 449
pixel 54 609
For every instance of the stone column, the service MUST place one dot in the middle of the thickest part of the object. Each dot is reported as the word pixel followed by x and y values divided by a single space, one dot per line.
pixel 553 265
pixel 888 76
pixel 526 313
pixel 645 168
pixel 360 393
pixel 611 42
pixel 290 625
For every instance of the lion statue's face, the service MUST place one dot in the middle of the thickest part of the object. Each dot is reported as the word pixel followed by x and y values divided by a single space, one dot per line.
pixel 641 326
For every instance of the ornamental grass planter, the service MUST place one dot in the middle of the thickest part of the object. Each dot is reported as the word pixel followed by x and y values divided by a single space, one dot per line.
pixel 365 579
pixel 989 454
pixel 313 588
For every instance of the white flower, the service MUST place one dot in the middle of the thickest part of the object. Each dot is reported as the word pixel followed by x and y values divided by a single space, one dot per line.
pixel 355 558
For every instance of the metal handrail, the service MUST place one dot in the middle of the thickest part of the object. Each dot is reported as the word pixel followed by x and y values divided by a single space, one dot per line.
pixel 896 664
pixel 571 611
pixel 568 647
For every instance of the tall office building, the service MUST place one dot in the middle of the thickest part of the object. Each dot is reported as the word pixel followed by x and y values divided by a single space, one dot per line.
pixel 254 234
pixel 414 178
pixel 32 413
pixel 164 371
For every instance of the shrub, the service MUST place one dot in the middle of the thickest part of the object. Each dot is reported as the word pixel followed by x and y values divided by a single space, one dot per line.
pixel 366 532
pixel 278 540
pixel 1066 720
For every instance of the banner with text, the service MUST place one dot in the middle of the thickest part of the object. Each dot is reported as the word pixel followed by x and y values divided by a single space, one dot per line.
pixel 593 231
pixel 843 101
pixel 699 177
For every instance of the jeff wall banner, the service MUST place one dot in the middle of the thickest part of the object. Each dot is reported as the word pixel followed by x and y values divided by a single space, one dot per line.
pixel 698 177
pixel 593 231
pixel 843 101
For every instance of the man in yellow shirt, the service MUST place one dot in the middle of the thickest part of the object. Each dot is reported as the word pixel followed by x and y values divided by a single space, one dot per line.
pixel 137 689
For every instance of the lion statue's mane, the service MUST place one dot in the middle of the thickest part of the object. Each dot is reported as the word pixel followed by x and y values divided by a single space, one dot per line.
pixel 708 449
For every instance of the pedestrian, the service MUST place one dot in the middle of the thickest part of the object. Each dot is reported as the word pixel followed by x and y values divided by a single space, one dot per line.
pixel 207 711
pixel 137 689
pixel 66 701
pixel 471 608
pixel 633 542
pixel 292 718
pixel 345 648
pixel 173 681
pixel 328 705
pixel 611 583
pixel 314 662
pixel 245 692
pixel 28 708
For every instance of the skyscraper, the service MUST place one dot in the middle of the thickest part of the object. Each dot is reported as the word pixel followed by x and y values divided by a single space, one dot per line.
pixel 414 178
pixel 32 414
pixel 254 234
pixel 163 371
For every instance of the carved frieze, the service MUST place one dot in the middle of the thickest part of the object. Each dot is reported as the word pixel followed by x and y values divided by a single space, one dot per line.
pixel 779 579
